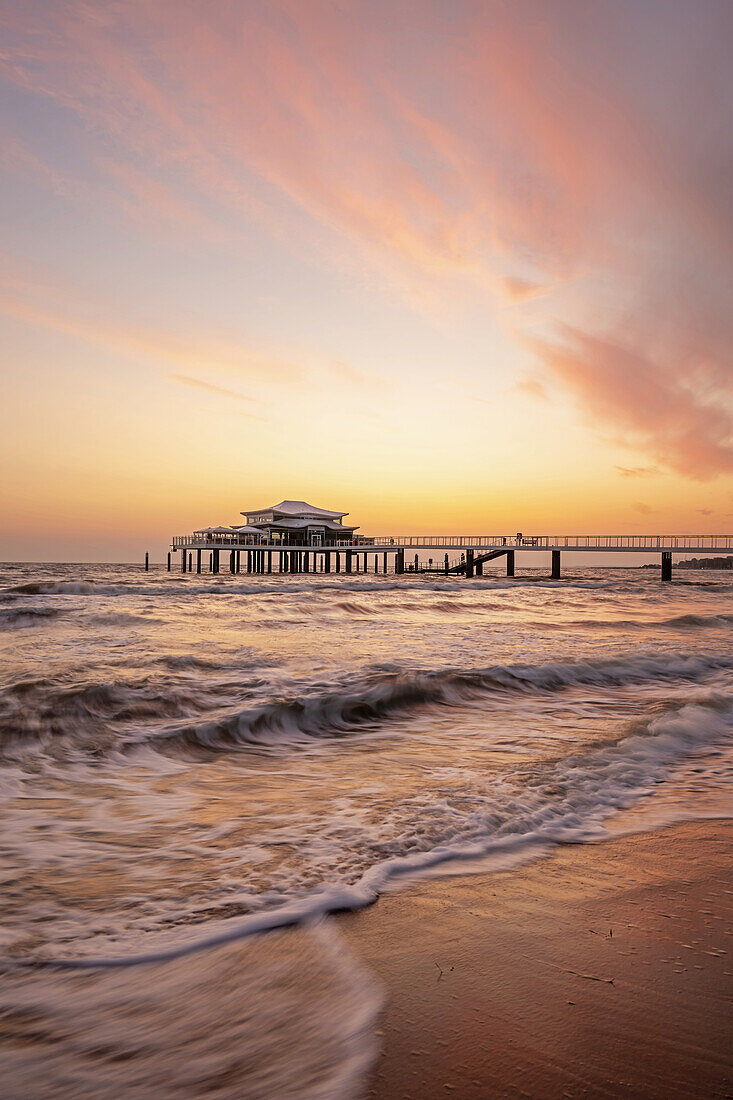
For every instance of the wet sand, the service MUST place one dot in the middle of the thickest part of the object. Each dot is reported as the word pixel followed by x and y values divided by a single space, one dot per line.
pixel 603 970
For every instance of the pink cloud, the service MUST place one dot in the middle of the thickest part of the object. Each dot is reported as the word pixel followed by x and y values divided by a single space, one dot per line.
pixel 650 408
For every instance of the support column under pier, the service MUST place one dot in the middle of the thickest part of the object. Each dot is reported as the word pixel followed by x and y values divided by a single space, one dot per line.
pixel 399 562
pixel 510 563
pixel 327 561
pixel 348 561
pixel 232 562
pixel 190 562
pixel 384 563
pixel 169 561
pixel 269 561
pixel 198 560
pixel 666 566
pixel 556 565
pixel 216 561
pixel 479 569
pixel 469 563
pixel 183 561
pixel 338 561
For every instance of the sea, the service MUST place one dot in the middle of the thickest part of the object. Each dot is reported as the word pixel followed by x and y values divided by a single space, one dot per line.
pixel 190 765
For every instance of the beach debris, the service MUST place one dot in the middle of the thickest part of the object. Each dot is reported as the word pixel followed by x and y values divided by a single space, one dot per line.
pixel 440 970
pixel 566 970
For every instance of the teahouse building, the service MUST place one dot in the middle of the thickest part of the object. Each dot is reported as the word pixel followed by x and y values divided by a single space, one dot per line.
pixel 296 522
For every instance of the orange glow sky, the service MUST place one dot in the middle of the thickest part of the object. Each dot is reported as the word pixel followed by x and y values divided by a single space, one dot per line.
pixel 458 267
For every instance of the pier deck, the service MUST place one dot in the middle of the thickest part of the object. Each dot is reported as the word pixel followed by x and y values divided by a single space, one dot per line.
pixel 474 550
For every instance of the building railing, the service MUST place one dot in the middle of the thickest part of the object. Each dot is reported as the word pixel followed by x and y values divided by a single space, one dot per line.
pixel 237 541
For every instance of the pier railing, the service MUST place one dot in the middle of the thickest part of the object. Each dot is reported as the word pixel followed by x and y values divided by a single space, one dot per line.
pixel 555 542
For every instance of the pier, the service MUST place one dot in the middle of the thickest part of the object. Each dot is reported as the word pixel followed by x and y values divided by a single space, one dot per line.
pixel 250 551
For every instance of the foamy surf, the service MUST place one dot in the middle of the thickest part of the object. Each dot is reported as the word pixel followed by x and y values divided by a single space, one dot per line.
pixel 511 821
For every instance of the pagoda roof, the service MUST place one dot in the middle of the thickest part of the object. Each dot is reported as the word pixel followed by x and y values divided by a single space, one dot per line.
pixel 296 508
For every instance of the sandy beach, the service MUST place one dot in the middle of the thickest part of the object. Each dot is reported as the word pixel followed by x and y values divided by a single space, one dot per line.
pixel 603 970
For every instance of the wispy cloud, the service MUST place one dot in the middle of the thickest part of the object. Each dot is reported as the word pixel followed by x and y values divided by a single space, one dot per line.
pixel 210 387
pixel 637 471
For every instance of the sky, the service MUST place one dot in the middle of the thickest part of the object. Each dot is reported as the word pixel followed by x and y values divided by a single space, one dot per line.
pixel 459 268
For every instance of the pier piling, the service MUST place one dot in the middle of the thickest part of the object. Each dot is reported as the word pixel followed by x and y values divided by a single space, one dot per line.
pixel 666 566
pixel 183 561
pixel 510 563
pixel 169 561
pixel 556 565
pixel 147 561
pixel 198 561
pixel 469 563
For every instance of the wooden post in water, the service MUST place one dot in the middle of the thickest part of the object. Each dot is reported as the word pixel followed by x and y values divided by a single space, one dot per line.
pixel 384 563
pixel 198 560
pixel 327 561
pixel 232 562
pixel 211 562
pixel 190 563
pixel 417 562
pixel 556 565
pixel 269 561
pixel 338 561
pixel 446 563
pixel 147 561
pixel 479 569
pixel 399 562
pixel 239 559
pixel 666 566
pixel 183 561
pixel 469 563
pixel 169 561
pixel 216 560
pixel 510 563
pixel 306 562
pixel 348 561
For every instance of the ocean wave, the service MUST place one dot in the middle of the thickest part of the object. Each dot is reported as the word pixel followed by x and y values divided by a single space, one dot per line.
pixel 676 622
pixel 91 716
pixel 275 584
pixel 364 704
pixel 26 616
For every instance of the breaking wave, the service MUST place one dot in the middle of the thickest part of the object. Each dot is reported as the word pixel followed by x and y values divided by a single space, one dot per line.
pixel 365 704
